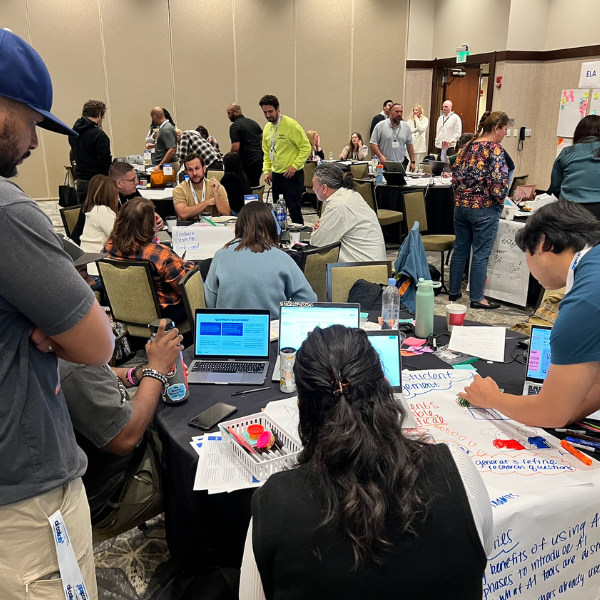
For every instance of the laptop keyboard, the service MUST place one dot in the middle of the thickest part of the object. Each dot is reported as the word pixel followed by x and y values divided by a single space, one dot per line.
pixel 227 367
pixel 533 390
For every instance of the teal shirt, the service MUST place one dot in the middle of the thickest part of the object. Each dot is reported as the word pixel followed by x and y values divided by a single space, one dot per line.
pixel 246 279
pixel 576 173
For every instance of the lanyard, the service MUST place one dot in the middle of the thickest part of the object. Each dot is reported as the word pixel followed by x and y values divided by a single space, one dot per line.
pixel 70 573
pixel 571 275
pixel 446 119
pixel 395 137
pixel 194 191
pixel 272 151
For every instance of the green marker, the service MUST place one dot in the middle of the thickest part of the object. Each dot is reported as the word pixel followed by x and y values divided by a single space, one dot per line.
pixel 207 219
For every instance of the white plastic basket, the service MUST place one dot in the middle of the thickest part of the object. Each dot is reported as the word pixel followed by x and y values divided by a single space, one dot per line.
pixel 264 469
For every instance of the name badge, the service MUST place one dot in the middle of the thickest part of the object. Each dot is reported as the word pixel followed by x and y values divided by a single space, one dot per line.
pixel 167 169
pixel 250 198
pixel 271 154
pixel 395 144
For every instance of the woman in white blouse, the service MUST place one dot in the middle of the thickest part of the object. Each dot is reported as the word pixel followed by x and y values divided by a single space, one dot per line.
pixel 355 149
pixel 418 124
pixel 100 209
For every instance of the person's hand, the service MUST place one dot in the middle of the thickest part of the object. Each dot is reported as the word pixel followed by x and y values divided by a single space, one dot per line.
pixel 445 145
pixel 413 167
pixel 446 174
pixel 44 343
pixel 164 349
pixel 158 223
pixel 341 157
pixel 150 146
pixel 289 173
pixel 215 184
pixel 382 159
pixel 480 392
pixel 158 168
pixel 268 178
pixel 317 225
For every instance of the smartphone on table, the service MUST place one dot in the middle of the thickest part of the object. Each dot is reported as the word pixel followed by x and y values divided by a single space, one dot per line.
pixel 212 416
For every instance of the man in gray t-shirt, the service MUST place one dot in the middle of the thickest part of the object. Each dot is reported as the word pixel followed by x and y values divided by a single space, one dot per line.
pixel 166 141
pixel 392 139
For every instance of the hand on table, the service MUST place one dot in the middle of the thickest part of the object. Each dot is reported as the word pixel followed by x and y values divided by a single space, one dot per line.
pixel 289 173
pixel 480 392
pixel 163 350
pixel 413 168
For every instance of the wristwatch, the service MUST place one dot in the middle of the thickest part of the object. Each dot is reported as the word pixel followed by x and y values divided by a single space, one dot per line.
pixel 412 162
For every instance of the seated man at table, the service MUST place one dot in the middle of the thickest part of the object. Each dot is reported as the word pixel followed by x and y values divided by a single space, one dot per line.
pixel 346 217
pixel 560 242
pixel 112 428
pixel 195 196
pixel 126 179
pixel 191 141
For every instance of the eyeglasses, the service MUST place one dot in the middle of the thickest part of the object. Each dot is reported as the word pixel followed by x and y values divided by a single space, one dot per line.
pixel 130 180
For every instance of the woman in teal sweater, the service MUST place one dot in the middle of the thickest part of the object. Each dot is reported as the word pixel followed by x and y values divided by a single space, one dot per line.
pixel 251 271
pixel 576 171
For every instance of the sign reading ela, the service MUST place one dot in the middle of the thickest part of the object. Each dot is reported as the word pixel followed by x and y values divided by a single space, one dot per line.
pixel 590 75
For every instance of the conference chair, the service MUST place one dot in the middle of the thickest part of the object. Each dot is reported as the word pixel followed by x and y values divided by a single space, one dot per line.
pixel 516 182
pixel 309 171
pixel 314 263
pixel 259 190
pixel 359 171
pixel 132 296
pixel 414 205
pixel 384 215
pixel 69 217
pixel 191 288
pixel 341 277
pixel 426 168
pixel 218 175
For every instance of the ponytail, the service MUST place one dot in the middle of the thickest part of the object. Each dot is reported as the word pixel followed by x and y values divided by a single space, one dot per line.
pixel 348 181
pixel 488 122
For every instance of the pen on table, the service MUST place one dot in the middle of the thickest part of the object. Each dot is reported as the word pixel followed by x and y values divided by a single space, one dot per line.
pixel 207 219
pixel 583 442
pixel 576 453
pixel 570 431
pixel 586 448
pixel 576 434
pixel 250 391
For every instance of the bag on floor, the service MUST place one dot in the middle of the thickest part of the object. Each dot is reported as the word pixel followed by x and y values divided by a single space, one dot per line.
pixel 67 194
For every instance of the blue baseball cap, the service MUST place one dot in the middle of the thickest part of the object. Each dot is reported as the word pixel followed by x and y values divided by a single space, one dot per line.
pixel 24 77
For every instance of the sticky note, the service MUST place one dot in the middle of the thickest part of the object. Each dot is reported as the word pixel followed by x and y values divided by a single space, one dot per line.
pixel 414 342
pixel 564 92
pixel 563 101
pixel 562 107
pixel 596 96
pixel 585 95
pixel 464 367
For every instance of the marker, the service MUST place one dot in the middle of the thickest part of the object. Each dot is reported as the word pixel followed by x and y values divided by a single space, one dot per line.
pixel 583 442
pixel 582 457
pixel 586 448
pixel 207 219
pixel 570 431
pixel 250 391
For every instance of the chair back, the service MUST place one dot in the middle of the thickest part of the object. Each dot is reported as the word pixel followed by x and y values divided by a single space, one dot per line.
pixel 259 190
pixel 359 171
pixel 342 276
pixel 414 207
pixel 191 287
pixel 426 168
pixel 69 217
pixel 365 189
pixel 218 175
pixel 131 293
pixel 516 182
pixel 309 171
pixel 314 264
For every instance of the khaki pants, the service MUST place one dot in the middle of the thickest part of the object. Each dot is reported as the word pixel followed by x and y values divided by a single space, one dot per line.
pixel 27 551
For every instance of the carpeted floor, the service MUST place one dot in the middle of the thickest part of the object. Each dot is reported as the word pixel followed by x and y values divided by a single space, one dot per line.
pixel 136 565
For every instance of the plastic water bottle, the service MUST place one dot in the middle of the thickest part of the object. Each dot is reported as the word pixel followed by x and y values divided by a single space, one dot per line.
pixel 281 212
pixel 379 172
pixel 390 305
pixel 424 310
pixel 177 390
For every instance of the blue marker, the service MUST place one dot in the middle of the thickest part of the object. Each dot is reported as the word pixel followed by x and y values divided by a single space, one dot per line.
pixel 581 442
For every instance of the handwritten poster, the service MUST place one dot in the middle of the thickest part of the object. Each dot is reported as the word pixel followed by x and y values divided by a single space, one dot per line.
pixel 573 107
pixel 507 273
pixel 595 103
pixel 201 241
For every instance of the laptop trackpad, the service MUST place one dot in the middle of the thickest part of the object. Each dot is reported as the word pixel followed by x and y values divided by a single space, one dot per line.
pixel 224 378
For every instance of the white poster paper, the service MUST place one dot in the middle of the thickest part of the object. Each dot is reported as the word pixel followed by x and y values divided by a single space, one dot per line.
pixel 590 75
pixel 595 102
pixel 573 107
pixel 200 241
pixel 483 342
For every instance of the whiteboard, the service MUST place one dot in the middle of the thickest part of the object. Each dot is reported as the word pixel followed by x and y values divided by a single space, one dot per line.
pixel 595 103
pixel 508 273
pixel 573 107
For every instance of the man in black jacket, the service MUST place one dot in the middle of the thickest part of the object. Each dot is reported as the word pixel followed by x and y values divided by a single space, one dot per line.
pixel 91 150
pixel 382 116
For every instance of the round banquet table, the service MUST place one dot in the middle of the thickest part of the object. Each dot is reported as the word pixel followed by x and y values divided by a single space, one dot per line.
pixel 208 531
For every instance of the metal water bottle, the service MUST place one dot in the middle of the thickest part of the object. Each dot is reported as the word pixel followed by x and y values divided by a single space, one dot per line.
pixel 176 390
pixel 424 310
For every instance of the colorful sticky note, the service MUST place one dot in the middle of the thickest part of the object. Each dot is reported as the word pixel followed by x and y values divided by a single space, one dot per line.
pixel 564 92
pixel 464 367
pixel 414 342
pixel 563 101
pixel 593 112
pixel 586 95
pixel 596 96
pixel 562 107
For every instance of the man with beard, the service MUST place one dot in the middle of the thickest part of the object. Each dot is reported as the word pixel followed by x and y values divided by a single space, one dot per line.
pixel 47 311
pixel 246 140
pixel 285 150
pixel 195 196
pixel 392 138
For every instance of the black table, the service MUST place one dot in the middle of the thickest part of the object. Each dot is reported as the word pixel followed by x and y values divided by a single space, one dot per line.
pixel 208 531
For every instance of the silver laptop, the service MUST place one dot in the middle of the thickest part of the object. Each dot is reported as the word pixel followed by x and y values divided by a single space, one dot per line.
pixel 387 343
pixel 538 361
pixel 230 346
pixel 297 320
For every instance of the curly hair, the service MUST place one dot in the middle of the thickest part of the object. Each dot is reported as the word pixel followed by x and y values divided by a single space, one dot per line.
pixel 93 109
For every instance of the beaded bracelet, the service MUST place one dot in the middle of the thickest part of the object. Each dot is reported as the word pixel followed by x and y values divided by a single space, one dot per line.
pixel 155 374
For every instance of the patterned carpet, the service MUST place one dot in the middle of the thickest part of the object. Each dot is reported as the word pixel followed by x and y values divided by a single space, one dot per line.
pixel 136 565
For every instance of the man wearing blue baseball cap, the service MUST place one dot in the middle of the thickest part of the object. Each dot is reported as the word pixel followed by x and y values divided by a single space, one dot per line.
pixel 47 311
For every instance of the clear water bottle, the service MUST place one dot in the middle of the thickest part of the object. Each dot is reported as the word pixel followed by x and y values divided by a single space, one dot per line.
pixel 424 310
pixel 177 390
pixel 281 212
pixel 390 305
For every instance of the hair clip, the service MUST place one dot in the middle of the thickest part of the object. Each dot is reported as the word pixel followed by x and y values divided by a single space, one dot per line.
pixel 339 387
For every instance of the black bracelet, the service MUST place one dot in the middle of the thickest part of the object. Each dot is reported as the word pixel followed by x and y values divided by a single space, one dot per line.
pixel 155 374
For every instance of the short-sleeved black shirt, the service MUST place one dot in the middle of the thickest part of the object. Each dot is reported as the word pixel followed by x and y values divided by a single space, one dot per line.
pixel 249 134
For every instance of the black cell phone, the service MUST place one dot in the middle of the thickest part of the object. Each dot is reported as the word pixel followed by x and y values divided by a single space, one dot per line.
pixel 212 416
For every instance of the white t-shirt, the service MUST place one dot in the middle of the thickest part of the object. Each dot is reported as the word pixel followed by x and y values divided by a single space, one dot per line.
pixel 98 226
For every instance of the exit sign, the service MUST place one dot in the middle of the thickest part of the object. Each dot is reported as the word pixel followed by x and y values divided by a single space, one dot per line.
pixel 461 57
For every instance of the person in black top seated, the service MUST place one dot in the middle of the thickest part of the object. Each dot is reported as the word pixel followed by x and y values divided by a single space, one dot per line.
pixel 126 179
pixel 235 181
pixel 368 512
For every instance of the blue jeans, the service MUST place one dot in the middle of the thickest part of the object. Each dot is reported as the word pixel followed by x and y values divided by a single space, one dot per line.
pixel 476 227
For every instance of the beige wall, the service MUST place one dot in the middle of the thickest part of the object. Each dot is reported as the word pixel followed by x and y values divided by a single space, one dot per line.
pixel 572 25
pixel 420 29
pixel 418 91
pixel 527 25
pixel 194 57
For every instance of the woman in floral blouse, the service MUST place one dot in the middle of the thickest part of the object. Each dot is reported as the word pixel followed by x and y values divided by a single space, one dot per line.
pixel 480 182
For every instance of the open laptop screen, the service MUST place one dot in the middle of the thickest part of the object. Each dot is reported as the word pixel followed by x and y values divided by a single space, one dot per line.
pixel 296 322
pixel 538 362
pixel 388 348
pixel 232 334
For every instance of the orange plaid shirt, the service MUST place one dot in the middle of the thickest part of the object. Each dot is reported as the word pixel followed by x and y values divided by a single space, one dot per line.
pixel 166 267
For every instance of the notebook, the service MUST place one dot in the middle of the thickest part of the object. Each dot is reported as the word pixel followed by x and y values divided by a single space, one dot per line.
pixel 387 343
pixel 296 321
pixel 230 346
pixel 538 361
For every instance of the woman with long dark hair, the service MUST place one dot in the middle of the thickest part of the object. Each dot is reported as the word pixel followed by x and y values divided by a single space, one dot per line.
pixel 480 182
pixel 235 181
pixel 251 271
pixel 355 149
pixel 576 171
pixel 368 512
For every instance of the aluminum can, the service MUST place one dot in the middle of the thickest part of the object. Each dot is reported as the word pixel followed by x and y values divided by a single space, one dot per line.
pixel 287 382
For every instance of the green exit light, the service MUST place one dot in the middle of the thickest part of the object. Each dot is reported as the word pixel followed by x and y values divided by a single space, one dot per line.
pixel 461 57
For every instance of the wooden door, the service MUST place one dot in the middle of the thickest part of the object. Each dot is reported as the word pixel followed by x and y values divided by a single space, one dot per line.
pixel 464 93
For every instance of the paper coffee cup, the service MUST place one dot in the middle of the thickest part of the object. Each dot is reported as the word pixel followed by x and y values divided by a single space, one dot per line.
pixel 455 315
pixel 170 224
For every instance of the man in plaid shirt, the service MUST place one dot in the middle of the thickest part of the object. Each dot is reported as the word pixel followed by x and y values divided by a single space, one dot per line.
pixel 191 141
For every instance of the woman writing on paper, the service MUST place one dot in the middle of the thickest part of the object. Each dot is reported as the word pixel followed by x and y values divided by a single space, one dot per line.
pixel 368 512
pixel 418 124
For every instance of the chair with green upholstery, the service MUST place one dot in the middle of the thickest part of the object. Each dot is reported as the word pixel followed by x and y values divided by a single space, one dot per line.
pixel 342 276
pixel 218 175
pixel 314 264
pixel 359 171
pixel 191 287
pixel 384 216
pixel 309 171
pixel 69 216
pixel 414 205
pixel 259 190
pixel 132 296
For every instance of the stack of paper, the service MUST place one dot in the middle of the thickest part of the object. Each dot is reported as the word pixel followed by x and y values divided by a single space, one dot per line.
pixel 483 342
